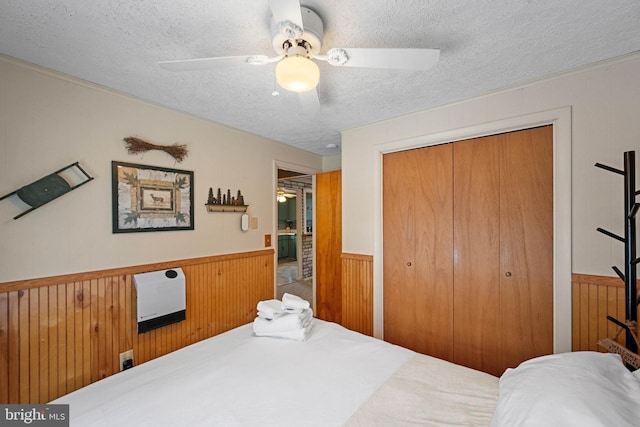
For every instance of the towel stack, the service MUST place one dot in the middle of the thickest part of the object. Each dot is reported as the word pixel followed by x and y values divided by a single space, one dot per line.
pixel 290 318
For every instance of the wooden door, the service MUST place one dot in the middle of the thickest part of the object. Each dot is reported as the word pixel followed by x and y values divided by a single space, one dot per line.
pixel 476 276
pixel 417 246
pixel 468 249
pixel 526 241
pixel 503 268
pixel 328 233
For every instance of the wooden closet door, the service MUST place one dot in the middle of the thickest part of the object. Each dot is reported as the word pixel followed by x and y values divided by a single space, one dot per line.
pixel 503 273
pixel 328 232
pixel 417 246
pixel 476 189
pixel 526 240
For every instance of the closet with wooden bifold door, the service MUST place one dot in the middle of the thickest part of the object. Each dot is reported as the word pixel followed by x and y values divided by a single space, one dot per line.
pixel 468 249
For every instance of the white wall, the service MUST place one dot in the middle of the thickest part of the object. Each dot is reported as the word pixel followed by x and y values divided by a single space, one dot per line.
pixel 48 120
pixel 331 163
pixel 604 101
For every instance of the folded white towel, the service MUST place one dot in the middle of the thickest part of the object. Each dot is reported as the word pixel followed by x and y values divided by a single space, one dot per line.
pixel 270 309
pixel 294 302
pixel 287 322
pixel 271 316
pixel 296 334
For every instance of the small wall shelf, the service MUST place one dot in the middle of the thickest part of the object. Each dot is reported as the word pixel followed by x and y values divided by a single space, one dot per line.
pixel 225 203
pixel 226 208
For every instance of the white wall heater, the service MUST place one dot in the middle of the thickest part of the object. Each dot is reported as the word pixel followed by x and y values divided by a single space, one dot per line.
pixel 161 298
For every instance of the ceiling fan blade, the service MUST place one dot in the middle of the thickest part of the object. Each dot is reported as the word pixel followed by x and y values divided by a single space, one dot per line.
pixel 288 17
pixel 408 59
pixel 208 63
pixel 310 101
pixel 282 192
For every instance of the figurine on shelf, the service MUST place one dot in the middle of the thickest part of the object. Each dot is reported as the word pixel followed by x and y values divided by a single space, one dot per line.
pixel 224 202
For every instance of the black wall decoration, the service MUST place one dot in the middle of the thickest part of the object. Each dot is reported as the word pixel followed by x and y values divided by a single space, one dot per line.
pixel 50 187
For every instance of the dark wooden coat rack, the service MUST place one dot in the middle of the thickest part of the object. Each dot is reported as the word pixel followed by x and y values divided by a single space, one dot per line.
pixel 629 276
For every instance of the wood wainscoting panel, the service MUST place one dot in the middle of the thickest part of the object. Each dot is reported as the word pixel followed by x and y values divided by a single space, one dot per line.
pixel 58 334
pixel 357 293
pixel 593 299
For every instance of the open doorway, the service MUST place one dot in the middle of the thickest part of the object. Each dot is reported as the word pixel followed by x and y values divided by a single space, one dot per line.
pixel 294 245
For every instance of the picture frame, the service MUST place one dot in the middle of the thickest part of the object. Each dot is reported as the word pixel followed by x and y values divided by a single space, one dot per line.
pixel 150 198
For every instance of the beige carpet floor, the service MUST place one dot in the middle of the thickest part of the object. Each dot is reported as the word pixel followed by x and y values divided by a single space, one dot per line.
pixel 287 282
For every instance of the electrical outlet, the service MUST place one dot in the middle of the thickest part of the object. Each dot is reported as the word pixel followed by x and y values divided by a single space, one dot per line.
pixel 267 240
pixel 126 360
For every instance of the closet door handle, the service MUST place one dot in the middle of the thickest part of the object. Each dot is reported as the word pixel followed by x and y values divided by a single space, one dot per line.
pixel 409 264
pixel 508 274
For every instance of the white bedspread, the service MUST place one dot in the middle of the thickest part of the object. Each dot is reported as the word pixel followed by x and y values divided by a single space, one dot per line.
pixel 427 391
pixel 236 379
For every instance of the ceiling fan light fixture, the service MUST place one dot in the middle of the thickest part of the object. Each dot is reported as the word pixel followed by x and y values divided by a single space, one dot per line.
pixel 297 74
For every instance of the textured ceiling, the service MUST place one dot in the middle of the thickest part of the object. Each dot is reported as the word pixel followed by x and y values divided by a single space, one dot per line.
pixel 485 45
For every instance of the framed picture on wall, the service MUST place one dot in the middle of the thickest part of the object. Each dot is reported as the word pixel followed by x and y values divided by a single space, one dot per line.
pixel 150 198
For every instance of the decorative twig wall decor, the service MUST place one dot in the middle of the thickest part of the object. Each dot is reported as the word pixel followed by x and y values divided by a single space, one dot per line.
pixel 136 145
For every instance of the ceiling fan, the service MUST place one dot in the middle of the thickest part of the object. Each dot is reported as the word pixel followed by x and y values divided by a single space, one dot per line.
pixel 282 195
pixel 296 37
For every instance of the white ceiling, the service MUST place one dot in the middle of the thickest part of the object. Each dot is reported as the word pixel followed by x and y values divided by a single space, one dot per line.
pixel 485 45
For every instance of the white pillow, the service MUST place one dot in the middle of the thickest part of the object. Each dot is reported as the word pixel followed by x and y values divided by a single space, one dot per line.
pixel 570 389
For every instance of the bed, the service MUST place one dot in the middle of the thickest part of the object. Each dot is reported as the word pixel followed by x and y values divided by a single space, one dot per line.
pixel 336 377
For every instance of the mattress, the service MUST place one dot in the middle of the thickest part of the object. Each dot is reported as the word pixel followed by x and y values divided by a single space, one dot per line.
pixel 335 377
